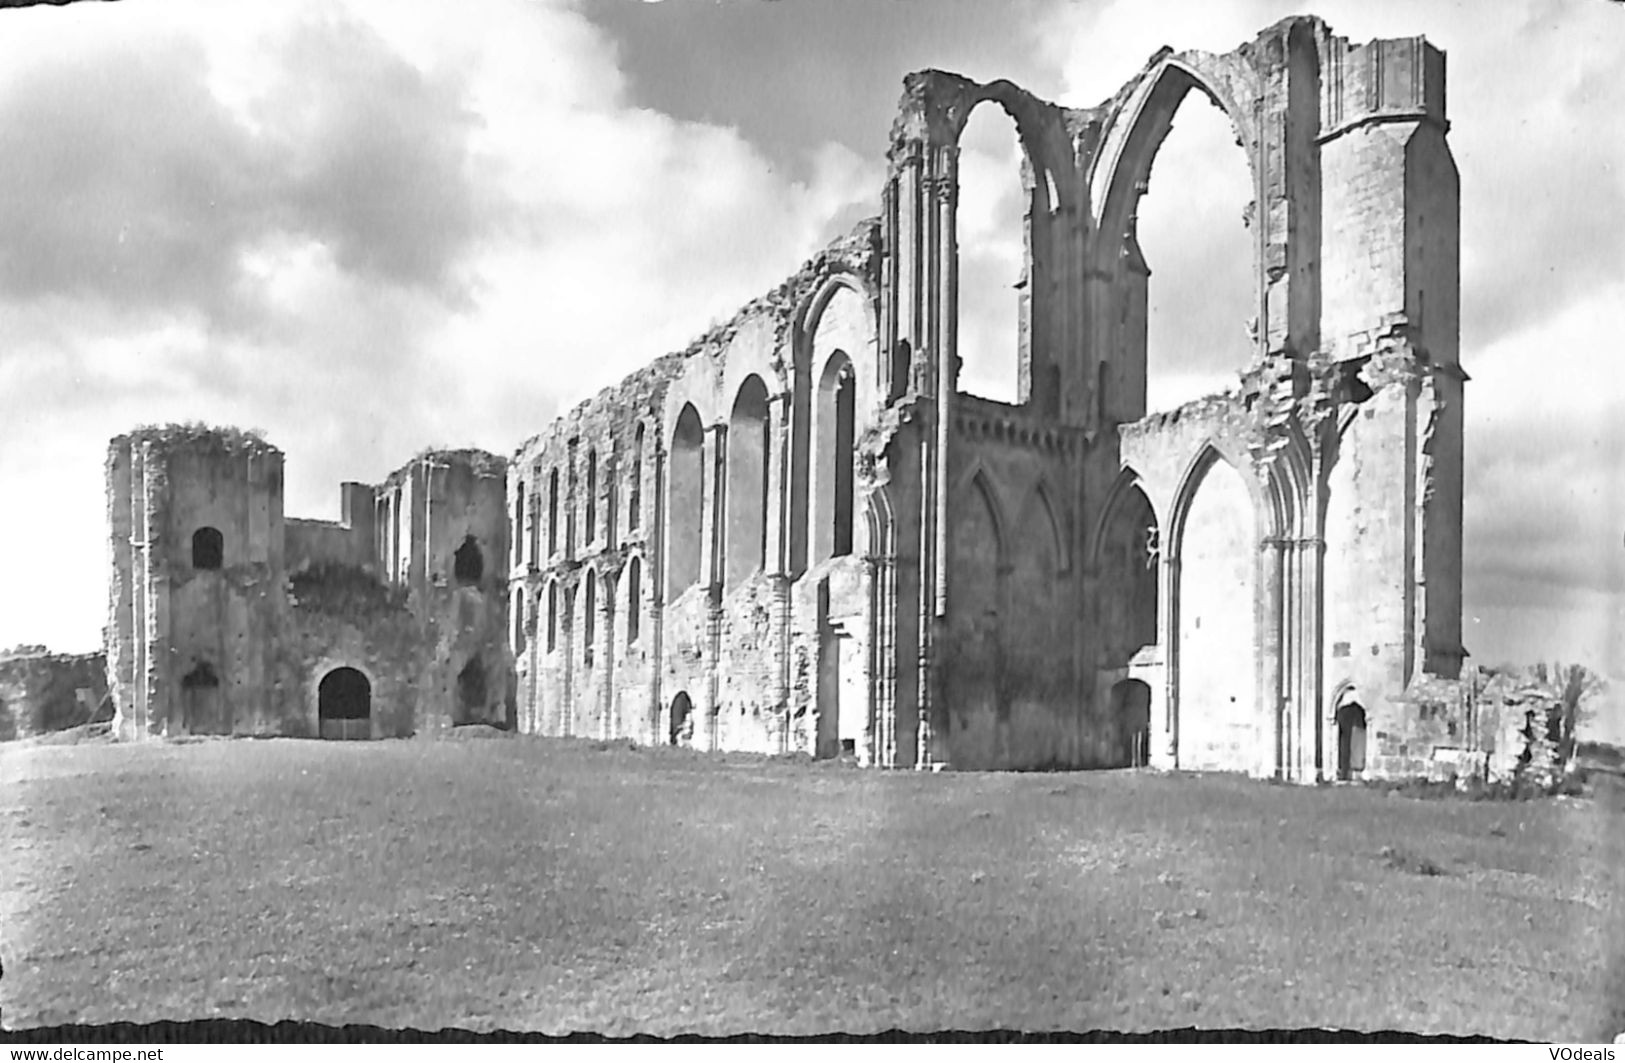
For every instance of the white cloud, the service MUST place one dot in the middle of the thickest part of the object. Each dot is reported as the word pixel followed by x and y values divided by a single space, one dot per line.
pixel 453 224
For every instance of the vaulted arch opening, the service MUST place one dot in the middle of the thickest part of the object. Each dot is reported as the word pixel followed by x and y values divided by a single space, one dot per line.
pixel 745 546
pixel 973 662
pixel 1190 247
pixel 991 226
pixel 1218 726
pixel 685 503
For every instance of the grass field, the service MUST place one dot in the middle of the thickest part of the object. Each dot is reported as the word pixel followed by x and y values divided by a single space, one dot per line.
pixel 555 886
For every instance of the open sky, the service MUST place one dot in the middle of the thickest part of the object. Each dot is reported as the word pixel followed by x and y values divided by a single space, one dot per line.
pixel 369 227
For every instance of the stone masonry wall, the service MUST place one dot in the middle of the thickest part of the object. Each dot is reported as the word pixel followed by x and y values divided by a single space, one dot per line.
pixel 42 692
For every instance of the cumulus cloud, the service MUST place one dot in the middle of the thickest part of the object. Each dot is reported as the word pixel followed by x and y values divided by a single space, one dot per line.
pixel 363 228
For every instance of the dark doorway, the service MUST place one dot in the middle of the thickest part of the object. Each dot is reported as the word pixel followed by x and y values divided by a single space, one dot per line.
pixel 1350 740
pixel 344 705
pixel 1131 708
pixel 468 564
pixel 203 709
pixel 208 548
pixel 471 692
pixel 682 720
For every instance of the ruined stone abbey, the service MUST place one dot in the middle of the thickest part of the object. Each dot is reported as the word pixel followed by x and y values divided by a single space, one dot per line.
pixel 800 535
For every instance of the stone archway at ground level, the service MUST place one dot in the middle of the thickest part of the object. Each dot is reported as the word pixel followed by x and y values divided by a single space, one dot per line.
pixel 681 731
pixel 1350 721
pixel 344 704
pixel 1131 710
pixel 203 705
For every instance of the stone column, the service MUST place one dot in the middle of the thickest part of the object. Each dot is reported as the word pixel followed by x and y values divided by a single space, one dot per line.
pixel 1273 646
pixel 1168 635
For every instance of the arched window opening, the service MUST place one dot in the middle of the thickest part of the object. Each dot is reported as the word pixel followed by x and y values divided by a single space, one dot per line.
pixel 901 365
pixel 991 226
pixel 208 548
pixel 634 599
pixel 553 512
pixel 592 496
pixel 636 506
pixel 1130 558
pixel 471 691
pixel 519 524
pixel 344 705
pixel 685 549
pixel 570 509
pixel 535 517
pixel 612 499
pixel 746 544
pixel 518 621
pixel 681 731
pixel 834 421
pixel 1191 235
pixel 468 564
pixel 589 618
pixel 552 617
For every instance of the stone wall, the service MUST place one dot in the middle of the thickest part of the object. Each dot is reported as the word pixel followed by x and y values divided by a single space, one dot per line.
pixel 728 476
pixel 226 617
pixel 798 534
pixel 42 691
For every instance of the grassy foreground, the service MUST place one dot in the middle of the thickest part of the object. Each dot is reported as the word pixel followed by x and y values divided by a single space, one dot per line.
pixel 555 886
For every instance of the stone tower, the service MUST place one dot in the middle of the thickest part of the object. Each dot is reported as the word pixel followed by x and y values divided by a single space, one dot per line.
pixel 195 518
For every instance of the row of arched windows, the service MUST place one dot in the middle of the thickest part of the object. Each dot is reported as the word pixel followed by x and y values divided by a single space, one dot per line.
pixel 589 624
pixel 822 488
pixel 527 547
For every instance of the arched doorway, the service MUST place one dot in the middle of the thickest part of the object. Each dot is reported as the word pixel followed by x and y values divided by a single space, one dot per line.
pixel 344 705
pixel 471 692
pixel 1350 739
pixel 203 709
pixel 681 731
pixel 1131 708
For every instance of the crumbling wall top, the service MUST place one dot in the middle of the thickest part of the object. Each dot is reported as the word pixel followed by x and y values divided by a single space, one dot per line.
pixel 197 436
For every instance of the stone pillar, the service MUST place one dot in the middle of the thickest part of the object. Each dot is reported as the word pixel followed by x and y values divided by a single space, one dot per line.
pixel 777 559
pixel 1274 646
pixel 159 712
pixel 1168 635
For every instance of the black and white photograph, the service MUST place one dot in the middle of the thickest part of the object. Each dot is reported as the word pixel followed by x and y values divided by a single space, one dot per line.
pixel 872 519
